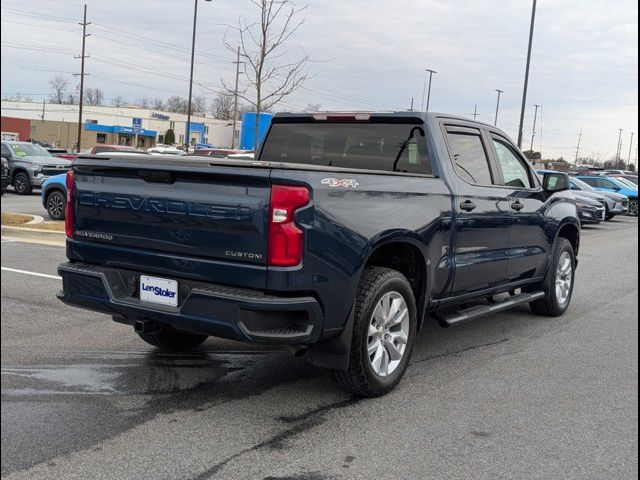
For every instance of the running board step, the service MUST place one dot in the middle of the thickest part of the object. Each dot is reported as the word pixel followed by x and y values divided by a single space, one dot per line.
pixel 482 310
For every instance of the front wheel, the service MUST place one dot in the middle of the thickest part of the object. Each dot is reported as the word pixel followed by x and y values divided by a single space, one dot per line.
pixel 558 284
pixel 22 184
pixel 56 203
pixel 384 330
pixel 173 340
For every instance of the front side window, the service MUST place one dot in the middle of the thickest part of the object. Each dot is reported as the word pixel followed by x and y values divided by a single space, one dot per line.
pixel 470 157
pixel 366 146
pixel 515 174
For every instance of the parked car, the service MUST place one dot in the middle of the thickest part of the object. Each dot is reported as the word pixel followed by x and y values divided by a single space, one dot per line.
pixel 631 178
pixel 344 236
pixel 615 204
pixel 627 182
pixel 611 184
pixel 165 150
pixel 591 208
pixel 54 196
pixel 62 153
pixel 30 165
pixel 6 178
pixel 114 148
pixel 220 152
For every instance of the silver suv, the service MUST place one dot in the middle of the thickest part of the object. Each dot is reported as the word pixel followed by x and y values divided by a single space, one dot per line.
pixel 30 165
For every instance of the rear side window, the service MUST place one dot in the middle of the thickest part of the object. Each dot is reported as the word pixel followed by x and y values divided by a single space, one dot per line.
pixel 366 146
pixel 470 157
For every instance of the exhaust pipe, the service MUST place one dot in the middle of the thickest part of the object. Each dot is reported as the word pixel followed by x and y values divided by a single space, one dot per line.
pixel 298 351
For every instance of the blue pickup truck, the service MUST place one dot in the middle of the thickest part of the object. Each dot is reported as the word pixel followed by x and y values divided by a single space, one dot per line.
pixel 345 235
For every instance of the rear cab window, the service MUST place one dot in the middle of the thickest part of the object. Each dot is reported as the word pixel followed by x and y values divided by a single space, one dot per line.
pixel 469 155
pixel 387 147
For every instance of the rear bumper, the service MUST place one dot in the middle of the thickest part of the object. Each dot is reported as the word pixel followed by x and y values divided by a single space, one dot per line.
pixel 239 314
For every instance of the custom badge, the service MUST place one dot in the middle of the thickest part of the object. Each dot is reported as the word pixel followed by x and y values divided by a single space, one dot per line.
pixel 340 182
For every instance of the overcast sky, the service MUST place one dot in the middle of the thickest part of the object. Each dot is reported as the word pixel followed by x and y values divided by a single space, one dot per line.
pixel 369 54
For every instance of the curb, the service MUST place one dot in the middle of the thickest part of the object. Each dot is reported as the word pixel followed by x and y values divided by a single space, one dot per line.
pixel 34 234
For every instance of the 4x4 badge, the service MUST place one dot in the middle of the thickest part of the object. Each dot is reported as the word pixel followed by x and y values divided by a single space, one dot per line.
pixel 340 182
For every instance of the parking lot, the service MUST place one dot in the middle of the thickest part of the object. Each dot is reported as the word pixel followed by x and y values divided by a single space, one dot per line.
pixel 507 396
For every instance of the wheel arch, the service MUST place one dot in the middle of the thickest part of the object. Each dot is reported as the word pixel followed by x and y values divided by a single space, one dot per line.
pixel 570 231
pixel 407 255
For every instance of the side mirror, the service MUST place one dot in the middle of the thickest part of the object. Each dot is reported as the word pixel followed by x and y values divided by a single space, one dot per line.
pixel 6 155
pixel 555 182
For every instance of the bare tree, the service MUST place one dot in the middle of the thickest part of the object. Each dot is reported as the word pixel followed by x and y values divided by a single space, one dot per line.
pixel 198 104
pixel 158 103
pixel 222 107
pixel 94 96
pixel 176 104
pixel 118 101
pixel 263 46
pixel 143 102
pixel 313 107
pixel 59 85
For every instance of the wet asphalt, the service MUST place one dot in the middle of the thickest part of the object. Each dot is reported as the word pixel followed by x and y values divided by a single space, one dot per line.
pixel 508 396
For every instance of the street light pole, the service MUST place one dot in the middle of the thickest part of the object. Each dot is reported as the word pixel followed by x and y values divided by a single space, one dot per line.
pixel 500 92
pixel 526 75
pixel 431 72
pixel 193 52
pixel 535 118
pixel 428 75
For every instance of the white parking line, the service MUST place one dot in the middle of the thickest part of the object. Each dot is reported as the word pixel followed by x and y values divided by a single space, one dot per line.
pixel 35 274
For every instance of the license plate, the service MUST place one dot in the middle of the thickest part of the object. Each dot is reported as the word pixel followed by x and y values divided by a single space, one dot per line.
pixel 158 290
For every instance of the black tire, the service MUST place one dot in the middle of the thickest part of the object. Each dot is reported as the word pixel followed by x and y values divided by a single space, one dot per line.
pixel 22 184
pixel 551 305
pixel 173 340
pixel 609 216
pixel 56 202
pixel 360 377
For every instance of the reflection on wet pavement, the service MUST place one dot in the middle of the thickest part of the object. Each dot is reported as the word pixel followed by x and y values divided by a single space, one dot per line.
pixel 127 373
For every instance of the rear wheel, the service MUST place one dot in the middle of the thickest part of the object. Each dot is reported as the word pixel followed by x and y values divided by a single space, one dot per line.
pixel 383 333
pixel 173 340
pixel 22 184
pixel 56 202
pixel 558 284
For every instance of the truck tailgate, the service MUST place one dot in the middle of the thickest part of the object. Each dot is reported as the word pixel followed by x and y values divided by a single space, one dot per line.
pixel 191 210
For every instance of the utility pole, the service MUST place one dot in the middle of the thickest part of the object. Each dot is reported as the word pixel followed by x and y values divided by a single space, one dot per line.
pixel 475 112
pixel 81 74
pixel 619 150
pixel 630 147
pixel 500 92
pixel 535 118
pixel 43 104
pixel 431 72
pixel 578 148
pixel 411 108
pixel 526 75
pixel 235 100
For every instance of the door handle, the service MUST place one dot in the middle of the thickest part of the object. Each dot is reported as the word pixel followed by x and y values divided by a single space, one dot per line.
pixel 517 206
pixel 467 206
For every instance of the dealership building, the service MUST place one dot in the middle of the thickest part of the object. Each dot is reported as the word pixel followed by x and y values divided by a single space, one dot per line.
pixel 130 125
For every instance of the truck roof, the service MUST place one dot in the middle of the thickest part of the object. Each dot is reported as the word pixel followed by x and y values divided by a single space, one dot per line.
pixel 420 117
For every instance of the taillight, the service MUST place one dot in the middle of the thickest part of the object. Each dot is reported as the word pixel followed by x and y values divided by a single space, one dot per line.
pixel 69 210
pixel 286 240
